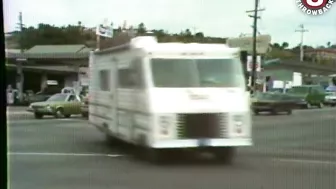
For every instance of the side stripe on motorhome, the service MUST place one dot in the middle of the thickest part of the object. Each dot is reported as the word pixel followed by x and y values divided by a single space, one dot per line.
pixel 134 111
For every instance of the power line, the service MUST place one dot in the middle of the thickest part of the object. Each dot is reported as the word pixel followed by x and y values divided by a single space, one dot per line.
pixel 254 49
pixel 302 30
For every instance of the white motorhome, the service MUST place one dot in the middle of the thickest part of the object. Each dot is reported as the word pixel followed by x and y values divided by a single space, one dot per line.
pixel 171 96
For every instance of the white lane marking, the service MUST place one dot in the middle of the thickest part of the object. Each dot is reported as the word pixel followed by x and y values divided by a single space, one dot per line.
pixel 63 154
pixel 30 121
pixel 305 161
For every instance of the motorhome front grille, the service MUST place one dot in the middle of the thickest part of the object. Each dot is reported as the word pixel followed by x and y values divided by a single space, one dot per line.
pixel 205 125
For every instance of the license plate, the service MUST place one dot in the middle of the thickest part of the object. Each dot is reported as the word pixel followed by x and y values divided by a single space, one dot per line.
pixel 203 142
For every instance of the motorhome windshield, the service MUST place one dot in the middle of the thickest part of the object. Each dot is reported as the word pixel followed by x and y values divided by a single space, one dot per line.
pixel 187 73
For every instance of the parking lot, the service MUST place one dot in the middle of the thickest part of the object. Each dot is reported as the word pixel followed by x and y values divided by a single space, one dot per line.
pixel 296 151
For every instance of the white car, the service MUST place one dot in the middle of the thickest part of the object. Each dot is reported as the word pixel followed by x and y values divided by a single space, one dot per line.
pixel 330 98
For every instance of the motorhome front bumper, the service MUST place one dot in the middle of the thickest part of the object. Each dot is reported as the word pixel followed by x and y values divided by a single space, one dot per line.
pixel 196 143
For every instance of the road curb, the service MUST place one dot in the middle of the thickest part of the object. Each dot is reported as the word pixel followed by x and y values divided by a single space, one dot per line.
pixel 291 154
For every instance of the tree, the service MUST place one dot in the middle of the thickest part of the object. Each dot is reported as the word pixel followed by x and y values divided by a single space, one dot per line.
pixel 141 29
pixel 284 45
pixel 328 44
pixel 46 34
pixel 276 45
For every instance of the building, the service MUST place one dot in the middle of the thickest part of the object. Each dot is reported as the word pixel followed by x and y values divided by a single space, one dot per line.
pixel 64 63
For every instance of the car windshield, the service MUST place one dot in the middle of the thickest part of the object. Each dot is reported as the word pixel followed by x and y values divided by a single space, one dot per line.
pixel 187 73
pixel 57 98
pixel 298 90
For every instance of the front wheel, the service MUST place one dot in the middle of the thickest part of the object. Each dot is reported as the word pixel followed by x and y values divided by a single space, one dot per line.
pixel 38 115
pixel 256 112
pixel 225 155
pixel 274 112
pixel 85 115
pixel 59 113
pixel 289 112
pixel 308 106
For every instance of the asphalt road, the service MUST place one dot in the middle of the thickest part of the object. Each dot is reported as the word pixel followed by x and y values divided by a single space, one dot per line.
pixel 292 152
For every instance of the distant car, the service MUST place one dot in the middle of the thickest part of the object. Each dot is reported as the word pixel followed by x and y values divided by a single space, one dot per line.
pixel 58 105
pixel 273 103
pixel 330 98
pixel 85 107
pixel 309 95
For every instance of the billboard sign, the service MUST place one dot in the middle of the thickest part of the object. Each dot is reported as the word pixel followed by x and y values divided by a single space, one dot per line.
pixel 105 29
pixel 246 43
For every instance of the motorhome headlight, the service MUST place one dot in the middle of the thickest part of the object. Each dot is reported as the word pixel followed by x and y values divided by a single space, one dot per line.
pixel 164 122
pixel 238 122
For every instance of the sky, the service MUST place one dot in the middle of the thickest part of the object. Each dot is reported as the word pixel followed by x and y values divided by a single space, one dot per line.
pixel 218 18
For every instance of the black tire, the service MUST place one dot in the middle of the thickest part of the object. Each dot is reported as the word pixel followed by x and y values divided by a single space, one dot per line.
pixel 111 140
pixel 155 156
pixel 59 113
pixel 256 112
pixel 333 105
pixel 225 155
pixel 85 115
pixel 274 112
pixel 67 116
pixel 289 112
pixel 308 106
pixel 38 115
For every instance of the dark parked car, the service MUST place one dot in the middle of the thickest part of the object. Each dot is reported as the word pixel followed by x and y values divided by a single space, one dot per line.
pixel 308 95
pixel 273 103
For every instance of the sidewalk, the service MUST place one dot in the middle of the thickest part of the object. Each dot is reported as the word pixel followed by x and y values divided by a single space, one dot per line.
pixel 18 112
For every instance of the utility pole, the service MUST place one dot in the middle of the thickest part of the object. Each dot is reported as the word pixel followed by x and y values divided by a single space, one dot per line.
pixel 254 48
pixel 302 30
pixel 20 76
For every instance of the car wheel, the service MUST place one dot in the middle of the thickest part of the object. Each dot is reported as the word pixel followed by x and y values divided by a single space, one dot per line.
pixel 67 116
pixel 38 115
pixel 256 112
pixel 308 105
pixel 59 113
pixel 289 112
pixel 85 115
pixel 274 112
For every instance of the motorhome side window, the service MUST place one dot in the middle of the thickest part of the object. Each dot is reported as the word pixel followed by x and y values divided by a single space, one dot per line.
pixel 104 80
pixel 131 77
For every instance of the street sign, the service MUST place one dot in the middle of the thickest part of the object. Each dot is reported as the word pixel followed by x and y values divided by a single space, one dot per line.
pixel 105 29
pixel 250 64
pixel 246 43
